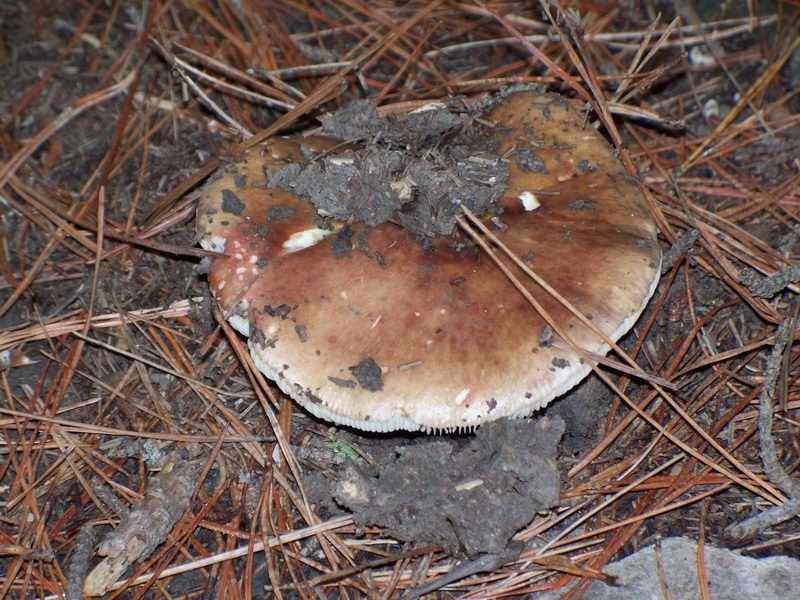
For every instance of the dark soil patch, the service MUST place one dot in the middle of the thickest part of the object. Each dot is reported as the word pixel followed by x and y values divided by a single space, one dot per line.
pixel 467 495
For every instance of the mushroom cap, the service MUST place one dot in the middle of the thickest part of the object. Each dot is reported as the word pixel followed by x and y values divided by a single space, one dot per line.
pixel 395 336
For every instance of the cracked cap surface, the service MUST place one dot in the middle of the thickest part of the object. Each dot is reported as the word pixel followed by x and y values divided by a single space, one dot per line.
pixel 368 328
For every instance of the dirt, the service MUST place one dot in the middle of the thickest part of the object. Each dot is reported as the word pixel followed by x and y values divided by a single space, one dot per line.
pixel 413 169
pixel 369 375
pixel 582 410
pixel 469 495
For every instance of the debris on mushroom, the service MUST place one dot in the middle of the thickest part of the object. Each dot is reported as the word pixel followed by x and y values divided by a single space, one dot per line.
pixel 364 302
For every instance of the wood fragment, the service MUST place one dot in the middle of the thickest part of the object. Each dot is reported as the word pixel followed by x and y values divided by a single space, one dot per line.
pixel 766 287
pixel 679 249
pixel 79 562
pixel 147 525
pixel 753 526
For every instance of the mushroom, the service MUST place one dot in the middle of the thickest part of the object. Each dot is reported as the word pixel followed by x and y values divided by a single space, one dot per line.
pixel 371 328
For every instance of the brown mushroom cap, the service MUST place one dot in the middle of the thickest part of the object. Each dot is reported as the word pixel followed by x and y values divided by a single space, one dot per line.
pixel 394 336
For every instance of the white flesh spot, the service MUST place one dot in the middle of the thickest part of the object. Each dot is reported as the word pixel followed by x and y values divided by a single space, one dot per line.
pixel 300 240
pixel 214 243
pixel 529 201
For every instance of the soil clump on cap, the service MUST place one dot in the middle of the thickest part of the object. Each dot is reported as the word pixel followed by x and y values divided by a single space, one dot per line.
pixel 412 169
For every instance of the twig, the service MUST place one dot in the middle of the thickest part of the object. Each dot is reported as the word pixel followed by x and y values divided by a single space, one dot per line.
pixel 681 246
pixel 483 564
pixel 751 527
pixel 79 563
pixel 766 287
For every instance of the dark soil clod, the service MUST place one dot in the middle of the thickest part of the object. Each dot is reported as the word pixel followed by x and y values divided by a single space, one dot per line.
pixel 468 496
pixel 414 170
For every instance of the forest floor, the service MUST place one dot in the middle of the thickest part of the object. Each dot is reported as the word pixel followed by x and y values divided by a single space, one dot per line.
pixel 131 416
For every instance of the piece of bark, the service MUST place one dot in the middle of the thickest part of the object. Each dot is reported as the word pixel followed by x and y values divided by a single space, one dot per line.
pixel 79 562
pixel 147 525
pixel 766 287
